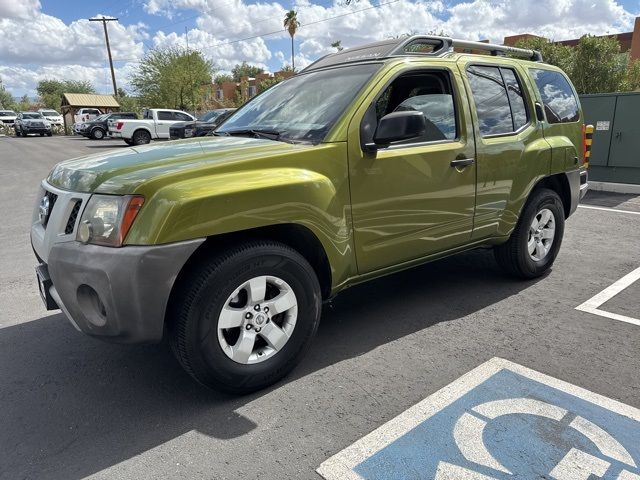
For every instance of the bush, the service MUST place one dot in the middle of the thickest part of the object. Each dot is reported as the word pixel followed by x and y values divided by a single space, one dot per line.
pixel 6 129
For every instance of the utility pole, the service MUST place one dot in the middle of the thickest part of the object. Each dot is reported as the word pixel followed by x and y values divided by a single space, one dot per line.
pixel 104 21
pixel 193 101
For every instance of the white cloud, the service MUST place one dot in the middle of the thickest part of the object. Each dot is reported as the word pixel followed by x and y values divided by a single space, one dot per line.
pixel 24 9
pixel 33 44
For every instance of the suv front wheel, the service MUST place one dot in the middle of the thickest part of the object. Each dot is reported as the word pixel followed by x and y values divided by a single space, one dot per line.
pixel 242 319
pixel 535 242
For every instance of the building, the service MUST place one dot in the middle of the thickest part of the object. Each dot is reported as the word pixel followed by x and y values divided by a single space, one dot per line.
pixel 72 102
pixel 629 41
pixel 227 94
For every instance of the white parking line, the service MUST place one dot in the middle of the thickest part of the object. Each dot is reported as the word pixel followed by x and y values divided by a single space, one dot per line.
pixel 605 209
pixel 591 305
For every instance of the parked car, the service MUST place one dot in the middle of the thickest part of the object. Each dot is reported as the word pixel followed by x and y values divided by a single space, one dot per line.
pixel 8 117
pixel 84 115
pixel 32 122
pixel 202 126
pixel 54 117
pixel 155 124
pixel 369 161
pixel 97 128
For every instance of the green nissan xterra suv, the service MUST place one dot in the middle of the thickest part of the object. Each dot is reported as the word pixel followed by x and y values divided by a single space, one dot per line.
pixel 369 161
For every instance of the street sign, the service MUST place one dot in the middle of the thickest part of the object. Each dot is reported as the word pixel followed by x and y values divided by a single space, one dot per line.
pixel 500 421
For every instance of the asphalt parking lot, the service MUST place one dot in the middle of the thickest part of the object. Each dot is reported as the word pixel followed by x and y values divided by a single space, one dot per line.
pixel 74 407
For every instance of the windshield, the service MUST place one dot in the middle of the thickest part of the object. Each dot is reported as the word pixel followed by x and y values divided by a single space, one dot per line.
pixel 7 113
pixel 209 116
pixel 32 115
pixel 50 113
pixel 304 107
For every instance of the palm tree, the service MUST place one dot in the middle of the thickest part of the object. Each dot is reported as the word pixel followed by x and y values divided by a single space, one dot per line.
pixel 291 23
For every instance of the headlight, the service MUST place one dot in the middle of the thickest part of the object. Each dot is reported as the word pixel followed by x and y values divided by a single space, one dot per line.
pixel 106 219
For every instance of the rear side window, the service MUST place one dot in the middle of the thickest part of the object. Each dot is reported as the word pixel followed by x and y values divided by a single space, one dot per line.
pixel 560 104
pixel 499 101
pixel 163 115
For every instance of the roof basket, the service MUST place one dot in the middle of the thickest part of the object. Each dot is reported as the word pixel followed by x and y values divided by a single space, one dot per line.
pixel 417 45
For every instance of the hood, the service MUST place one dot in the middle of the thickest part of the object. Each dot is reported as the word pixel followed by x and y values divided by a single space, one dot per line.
pixel 124 171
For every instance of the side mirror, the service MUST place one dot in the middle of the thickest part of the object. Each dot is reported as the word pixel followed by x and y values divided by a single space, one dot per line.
pixel 398 126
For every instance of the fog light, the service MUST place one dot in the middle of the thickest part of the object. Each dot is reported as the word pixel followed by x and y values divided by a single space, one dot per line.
pixel 85 231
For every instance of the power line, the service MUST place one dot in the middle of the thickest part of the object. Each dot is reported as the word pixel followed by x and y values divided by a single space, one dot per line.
pixel 306 24
pixel 315 22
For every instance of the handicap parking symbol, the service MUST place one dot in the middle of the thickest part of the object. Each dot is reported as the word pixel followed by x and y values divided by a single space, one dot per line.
pixel 500 421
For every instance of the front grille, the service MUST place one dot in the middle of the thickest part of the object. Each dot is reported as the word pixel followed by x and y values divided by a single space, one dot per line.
pixel 37 124
pixel 73 216
pixel 52 201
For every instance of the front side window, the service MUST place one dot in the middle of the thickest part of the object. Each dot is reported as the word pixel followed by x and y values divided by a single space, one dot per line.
pixel 304 107
pixel 560 104
pixel 423 91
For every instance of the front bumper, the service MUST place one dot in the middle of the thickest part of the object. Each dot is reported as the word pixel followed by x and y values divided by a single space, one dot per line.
pixel 118 294
pixel 28 129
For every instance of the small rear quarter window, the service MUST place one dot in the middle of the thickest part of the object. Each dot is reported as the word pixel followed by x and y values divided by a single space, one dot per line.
pixel 560 104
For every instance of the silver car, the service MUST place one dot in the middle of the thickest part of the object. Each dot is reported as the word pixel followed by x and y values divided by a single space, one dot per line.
pixel 32 122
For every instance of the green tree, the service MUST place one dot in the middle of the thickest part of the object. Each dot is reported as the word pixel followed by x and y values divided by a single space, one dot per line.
pixel 6 99
pixel 222 78
pixel 24 105
pixel 172 78
pixel 51 91
pixel 337 45
pixel 245 70
pixel 292 24
pixel 595 65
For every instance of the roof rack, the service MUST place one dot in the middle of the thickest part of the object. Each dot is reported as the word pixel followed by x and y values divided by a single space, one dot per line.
pixel 417 45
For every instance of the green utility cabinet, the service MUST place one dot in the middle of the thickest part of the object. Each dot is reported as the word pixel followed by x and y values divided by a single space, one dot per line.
pixel 615 154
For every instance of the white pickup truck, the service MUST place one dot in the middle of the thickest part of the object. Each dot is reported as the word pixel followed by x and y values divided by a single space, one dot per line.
pixel 155 124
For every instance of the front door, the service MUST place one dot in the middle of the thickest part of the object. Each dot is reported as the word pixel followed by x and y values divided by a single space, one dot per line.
pixel 412 199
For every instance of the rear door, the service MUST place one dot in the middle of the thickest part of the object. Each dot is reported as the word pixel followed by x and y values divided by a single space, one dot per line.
pixel 165 119
pixel 511 151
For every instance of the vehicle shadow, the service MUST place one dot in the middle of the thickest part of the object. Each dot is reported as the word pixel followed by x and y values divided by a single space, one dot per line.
pixel 73 406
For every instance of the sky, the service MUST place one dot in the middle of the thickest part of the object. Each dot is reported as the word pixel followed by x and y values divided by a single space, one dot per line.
pixel 52 39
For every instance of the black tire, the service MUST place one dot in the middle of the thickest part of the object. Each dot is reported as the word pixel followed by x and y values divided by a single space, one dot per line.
pixel 97 134
pixel 513 256
pixel 195 307
pixel 42 134
pixel 49 134
pixel 140 137
pixel 16 131
pixel 128 141
pixel 23 133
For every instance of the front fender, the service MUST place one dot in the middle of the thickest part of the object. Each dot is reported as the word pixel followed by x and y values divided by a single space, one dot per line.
pixel 234 201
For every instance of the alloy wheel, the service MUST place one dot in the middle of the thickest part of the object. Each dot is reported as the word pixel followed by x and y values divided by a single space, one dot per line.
pixel 541 234
pixel 257 319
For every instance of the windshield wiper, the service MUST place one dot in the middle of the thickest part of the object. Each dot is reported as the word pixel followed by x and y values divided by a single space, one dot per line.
pixel 256 132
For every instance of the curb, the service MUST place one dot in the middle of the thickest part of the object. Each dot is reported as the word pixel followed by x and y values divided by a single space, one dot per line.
pixel 628 188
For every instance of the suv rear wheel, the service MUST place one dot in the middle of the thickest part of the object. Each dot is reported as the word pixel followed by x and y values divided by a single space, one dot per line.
pixel 535 242
pixel 242 319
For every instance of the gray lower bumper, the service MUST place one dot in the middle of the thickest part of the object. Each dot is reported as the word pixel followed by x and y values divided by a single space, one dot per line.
pixel 118 294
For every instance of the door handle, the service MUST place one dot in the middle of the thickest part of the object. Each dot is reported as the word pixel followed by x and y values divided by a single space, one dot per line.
pixel 463 162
